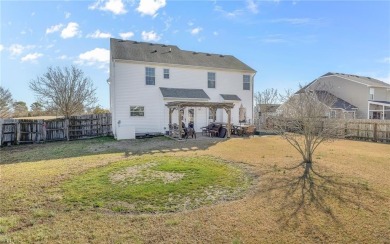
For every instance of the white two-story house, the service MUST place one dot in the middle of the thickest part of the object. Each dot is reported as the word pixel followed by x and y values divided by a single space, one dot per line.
pixel 355 96
pixel 145 77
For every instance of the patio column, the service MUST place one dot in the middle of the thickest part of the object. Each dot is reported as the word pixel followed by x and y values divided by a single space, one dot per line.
pixel 229 126
pixel 383 112
pixel 170 115
pixel 179 121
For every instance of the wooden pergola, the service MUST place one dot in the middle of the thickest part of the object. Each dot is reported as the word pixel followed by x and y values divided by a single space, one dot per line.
pixel 213 106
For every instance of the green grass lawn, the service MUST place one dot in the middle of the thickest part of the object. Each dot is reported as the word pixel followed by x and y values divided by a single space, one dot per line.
pixel 157 184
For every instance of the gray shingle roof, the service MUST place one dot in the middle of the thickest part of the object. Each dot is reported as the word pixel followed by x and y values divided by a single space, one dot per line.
pixel 337 103
pixel 170 54
pixel 361 79
pixel 183 93
pixel 368 81
pixel 230 97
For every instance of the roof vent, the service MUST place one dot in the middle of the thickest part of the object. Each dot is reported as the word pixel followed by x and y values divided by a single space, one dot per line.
pixel 135 42
pixel 164 45
pixel 208 54
pixel 154 51
pixel 121 41
pixel 221 56
pixel 151 44
pixel 194 53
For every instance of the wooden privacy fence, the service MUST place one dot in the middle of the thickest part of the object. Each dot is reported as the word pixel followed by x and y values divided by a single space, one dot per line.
pixel 18 131
pixel 358 129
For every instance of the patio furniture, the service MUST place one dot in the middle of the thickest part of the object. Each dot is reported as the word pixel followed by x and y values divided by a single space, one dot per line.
pixel 191 131
pixel 215 130
pixel 250 130
pixel 206 129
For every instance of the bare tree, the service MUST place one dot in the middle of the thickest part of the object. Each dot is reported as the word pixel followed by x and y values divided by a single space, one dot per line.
pixel 304 124
pixel 66 90
pixel 5 103
pixel 268 96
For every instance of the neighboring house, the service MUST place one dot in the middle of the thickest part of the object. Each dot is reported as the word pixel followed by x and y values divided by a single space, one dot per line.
pixel 355 96
pixel 146 77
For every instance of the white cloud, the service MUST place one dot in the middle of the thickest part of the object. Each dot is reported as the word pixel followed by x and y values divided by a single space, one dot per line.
pixel 1 47
pixel 196 30
pixel 71 30
pixel 54 28
pixel 99 57
pixel 126 35
pixel 62 57
pixel 67 15
pixel 99 34
pixel 115 6
pixel 150 7
pixel 252 6
pixel 17 49
pixel 150 36
pixel 292 21
pixel 215 33
pixel 231 15
pixel 31 57
pixel 386 60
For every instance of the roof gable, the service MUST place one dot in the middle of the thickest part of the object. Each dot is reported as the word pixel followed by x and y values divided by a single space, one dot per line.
pixel 170 54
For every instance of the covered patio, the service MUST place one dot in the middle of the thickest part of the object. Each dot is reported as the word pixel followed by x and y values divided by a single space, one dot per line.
pixel 212 106
pixel 378 110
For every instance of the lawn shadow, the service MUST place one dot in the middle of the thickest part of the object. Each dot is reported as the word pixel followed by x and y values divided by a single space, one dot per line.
pixel 302 199
pixel 101 145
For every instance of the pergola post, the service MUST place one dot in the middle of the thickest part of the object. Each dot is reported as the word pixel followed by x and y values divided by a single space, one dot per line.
pixel 229 129
pixel 170 115
pixel 179 120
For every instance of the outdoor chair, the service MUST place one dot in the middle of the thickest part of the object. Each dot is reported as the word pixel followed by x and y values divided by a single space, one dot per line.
pixel 206 129
pixel 191 131
pixel 215 130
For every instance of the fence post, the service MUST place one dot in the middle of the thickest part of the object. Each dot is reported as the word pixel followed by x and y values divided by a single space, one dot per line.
pixel 375 132
pixel 18 134
pixel 67 129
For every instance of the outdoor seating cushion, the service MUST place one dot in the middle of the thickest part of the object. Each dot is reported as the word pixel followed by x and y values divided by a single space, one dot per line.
pixel 222 132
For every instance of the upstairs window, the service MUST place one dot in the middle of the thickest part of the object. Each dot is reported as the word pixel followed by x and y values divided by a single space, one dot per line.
pixel 246 82
pixel 166 73
pixel 150 76
pixel 137 111
pixel 372 92
pixel 211 80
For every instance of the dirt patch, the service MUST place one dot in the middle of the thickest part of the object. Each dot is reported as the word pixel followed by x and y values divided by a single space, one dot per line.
pixel 140 174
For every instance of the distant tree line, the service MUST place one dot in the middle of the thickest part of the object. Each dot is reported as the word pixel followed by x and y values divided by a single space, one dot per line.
pixel 59 92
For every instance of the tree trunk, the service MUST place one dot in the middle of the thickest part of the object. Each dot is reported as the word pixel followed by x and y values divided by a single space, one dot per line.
pixel 308 167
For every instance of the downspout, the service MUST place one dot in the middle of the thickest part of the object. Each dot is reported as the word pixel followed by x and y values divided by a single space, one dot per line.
pixel 253 92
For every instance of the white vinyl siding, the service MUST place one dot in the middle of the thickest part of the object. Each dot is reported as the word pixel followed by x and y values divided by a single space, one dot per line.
pixel 130 90
pixel 211 80
pixel 246 82
pixel 150 76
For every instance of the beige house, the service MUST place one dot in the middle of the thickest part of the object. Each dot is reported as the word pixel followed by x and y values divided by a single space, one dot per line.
pixel 357 97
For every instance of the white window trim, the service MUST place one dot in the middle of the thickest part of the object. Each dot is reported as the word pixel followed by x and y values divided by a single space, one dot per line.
pixel 137 111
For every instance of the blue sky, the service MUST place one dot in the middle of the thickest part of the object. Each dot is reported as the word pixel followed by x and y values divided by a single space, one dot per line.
pixel 287 42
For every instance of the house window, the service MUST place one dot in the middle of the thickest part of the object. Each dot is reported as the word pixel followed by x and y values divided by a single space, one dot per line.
pixel 150 76
pixel 246 82
pixel 137 111
pixel 211 80
pixel 332 114
pixel 166 73
pixel 372 91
